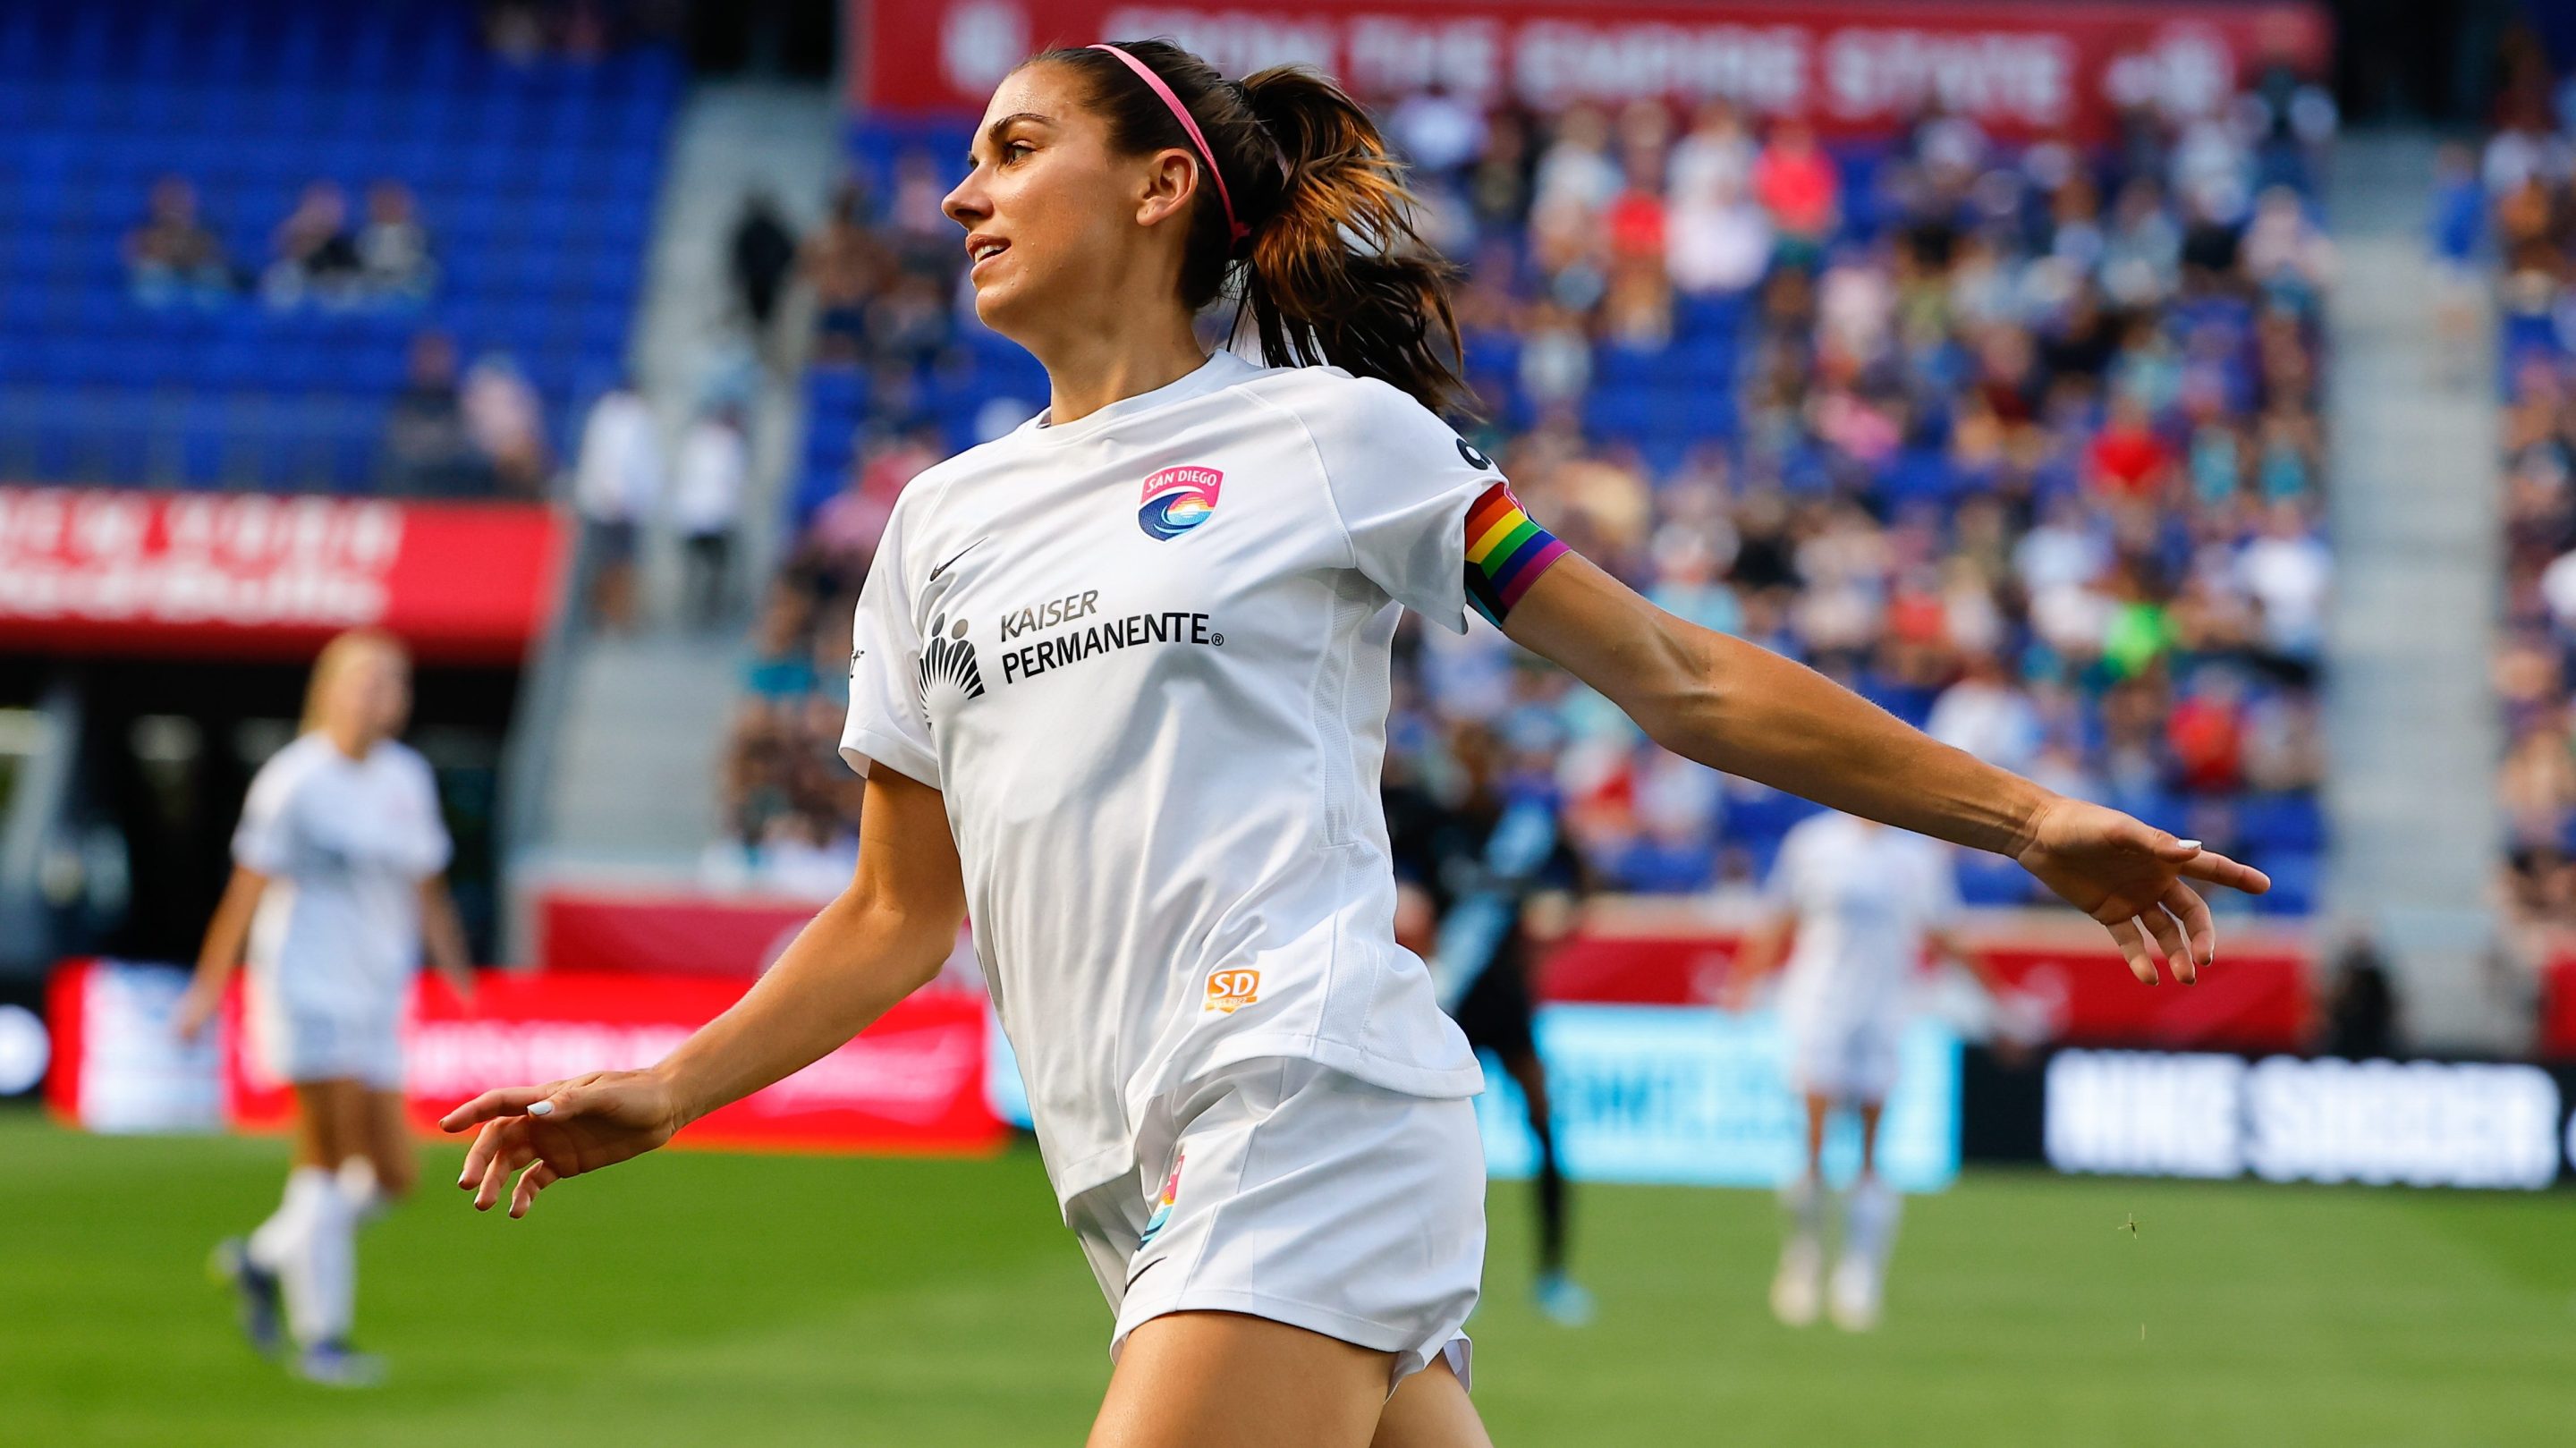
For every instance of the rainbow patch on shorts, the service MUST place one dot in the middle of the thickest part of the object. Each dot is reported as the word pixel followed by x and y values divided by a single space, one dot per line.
pixel 1506 552
pixel 1163 1207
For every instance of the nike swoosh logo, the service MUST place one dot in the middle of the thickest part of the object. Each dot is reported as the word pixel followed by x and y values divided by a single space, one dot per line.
pixel 960 553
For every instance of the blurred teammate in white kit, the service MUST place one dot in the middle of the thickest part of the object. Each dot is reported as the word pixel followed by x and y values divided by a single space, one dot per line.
pixel 337 885
pixel 1863 901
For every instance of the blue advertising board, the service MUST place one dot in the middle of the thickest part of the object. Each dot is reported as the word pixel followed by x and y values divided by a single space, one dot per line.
pixel 1679 1095
pixel 1682 1095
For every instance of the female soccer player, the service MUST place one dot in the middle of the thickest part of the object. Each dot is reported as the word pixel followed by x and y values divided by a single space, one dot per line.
pixel 1862 901
pixel 1119 688
pixel 336 887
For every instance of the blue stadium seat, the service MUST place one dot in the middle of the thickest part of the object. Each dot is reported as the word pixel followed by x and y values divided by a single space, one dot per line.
pixel 2290 822
pixel 2295 878
pixel 252 102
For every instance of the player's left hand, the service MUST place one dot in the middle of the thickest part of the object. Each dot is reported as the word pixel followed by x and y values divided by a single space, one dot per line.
pixel 2132 878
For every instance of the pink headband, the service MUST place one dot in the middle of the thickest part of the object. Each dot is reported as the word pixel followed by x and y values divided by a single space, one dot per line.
pixel 1236 229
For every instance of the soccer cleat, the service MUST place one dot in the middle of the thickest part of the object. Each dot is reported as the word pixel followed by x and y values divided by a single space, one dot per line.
pixel 254 1289
pixel 1563 1301
pixel 1854 1300
pixel 1793 1287
pixel 337 1365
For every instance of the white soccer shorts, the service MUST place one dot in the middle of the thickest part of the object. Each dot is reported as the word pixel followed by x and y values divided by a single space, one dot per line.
pixel 1849 1058
pixel 1282 1189
pixel 301 1042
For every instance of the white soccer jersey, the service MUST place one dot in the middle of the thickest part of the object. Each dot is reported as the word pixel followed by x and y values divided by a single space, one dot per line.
pixel 345 844
pixel 1864 895
pixel 1145 656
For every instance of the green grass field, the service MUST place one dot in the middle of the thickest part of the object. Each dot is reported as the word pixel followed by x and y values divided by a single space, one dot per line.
pixel 706 1299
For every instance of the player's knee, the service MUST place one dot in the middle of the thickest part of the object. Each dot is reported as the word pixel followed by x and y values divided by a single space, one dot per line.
pixel 396 1174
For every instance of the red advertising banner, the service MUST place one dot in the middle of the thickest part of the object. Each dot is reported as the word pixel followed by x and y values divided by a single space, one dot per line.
pixel 2558 1010
pixel 2019 69
pixel 664 932
pixel 2257 998
pixel 89 569
pixel 911 1083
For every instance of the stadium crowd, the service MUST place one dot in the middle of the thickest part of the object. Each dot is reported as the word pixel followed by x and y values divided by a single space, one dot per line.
pixel 2519 198
pixel 2020 441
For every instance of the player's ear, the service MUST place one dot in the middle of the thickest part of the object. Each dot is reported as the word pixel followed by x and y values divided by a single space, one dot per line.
pixel 1168 185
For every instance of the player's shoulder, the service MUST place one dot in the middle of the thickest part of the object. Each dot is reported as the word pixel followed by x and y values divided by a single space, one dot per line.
pixel 928 486
pixel 397 757
pixel 1333 398
pixel 289 768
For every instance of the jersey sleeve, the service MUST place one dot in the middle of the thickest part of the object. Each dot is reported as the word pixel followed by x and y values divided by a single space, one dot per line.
pixel 424 841
pixel 264 841
pixel 1430 519
pixel 886 723
pixel 1780 888
pixel 1941 905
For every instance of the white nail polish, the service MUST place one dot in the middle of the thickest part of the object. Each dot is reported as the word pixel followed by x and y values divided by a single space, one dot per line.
pixel 2190 844
pixel 542 1108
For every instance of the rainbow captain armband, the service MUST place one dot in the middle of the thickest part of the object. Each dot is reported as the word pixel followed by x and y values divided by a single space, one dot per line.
pixel 1506 553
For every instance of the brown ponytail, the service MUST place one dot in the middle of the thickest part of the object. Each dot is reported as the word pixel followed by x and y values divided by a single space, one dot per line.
pixel 1333 271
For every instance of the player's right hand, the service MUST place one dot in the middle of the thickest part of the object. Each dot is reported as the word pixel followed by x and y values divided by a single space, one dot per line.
pixel 195 1011
pixel 564 1128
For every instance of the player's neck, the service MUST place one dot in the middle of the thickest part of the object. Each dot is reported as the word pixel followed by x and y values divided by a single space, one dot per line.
pixel 1088 372
pixel 352 742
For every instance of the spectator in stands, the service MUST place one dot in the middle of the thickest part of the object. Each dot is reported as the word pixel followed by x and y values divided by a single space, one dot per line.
pixel 394 260
pixel 2127 461
pixel 174 256
pixel 760 255
pixel 427 448
pixel 1717 237
pixel 1796 182
pixel 923 238
pixel 313 256
pixel 2287 570
pixel 506 424
pixel 841 541
pixel 847 264
pixel 616 480
pixel 2360 1016
pixel 1437 131
pixel 1984 714
pixel 706 497
pixel 909 323
pixel 515 30
pixel 2456 231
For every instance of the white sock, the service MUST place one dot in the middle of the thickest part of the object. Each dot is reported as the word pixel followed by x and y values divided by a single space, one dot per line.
pixel 272 1243
pixel 357 1178
pixel 1804 1200
pixel 321 1274
pixel 1869 1222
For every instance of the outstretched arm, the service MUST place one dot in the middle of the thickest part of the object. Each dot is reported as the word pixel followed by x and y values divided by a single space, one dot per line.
pixel 221 953
pixel 1761 951
pixel 882 939
pixel 442 936
pixel 1734 706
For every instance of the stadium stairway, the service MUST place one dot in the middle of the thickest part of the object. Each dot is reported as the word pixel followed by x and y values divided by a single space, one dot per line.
pixel 2411 722
pixel 627 731
pixel 734 138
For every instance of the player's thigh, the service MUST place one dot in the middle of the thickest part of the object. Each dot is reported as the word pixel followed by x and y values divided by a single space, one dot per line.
pixel 388 1142
pixel 330 1121
pixel 1225 1380
pixel 1430 1410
